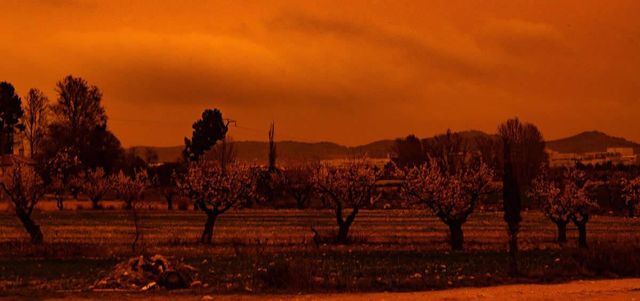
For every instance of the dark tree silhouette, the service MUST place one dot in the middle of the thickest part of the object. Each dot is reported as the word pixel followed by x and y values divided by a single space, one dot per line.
pixel 35 119
pixel 298 183
pixel 163 177
pixel 490 150
pixel 79 123
pixel 408 152
pixel 523 157
pixel 132 163
pixel 224 153
pixel 272 149
pixel 150 155
pixel 450 150
pixel 10 114
pixel 79 105
pixel 206 132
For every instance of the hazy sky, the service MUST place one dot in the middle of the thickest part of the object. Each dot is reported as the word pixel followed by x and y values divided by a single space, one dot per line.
pixel 344 71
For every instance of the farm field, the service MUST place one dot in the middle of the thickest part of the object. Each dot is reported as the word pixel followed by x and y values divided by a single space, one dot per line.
pixel 391 250
pixel 621 289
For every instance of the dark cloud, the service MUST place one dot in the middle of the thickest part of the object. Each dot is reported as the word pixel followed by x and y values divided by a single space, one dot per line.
pixel 351 73
pixel 419 50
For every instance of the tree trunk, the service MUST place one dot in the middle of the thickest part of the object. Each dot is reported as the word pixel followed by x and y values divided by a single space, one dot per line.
pixel 456 236
pixel 582 234
pixel 513 250
pixel 630 209
pixel 60 203
pixel 128 204
pixel 207 234
pixel 344 224
pixel 169 202
pixel 32 228
pixel 301 202
pixel 343 233
pixel 95 204
pixel 138 231
pixel 512 205
pixel 562 232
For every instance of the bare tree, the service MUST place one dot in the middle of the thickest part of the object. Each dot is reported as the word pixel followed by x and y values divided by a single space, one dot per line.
pixel 352 185
pixel 24 188
pixel 214 191
pixel 523 156
pixel 451 193
pixel 35 120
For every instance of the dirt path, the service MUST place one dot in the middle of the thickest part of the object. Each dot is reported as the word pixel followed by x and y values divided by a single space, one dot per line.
pixel 625 289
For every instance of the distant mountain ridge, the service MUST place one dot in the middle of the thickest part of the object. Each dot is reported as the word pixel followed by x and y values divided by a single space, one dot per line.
pixel 591 141
pixel 257 151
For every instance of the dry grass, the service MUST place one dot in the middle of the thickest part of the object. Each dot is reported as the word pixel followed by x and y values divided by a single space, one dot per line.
pixel 273 250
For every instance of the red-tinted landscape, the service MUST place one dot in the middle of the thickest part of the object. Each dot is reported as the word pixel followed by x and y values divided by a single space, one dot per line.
pixel 369 150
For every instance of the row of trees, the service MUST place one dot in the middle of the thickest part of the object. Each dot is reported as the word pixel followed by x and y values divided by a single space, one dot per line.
pixel 24 187
pixel 451 182
pixel 447 173
pixel 69 148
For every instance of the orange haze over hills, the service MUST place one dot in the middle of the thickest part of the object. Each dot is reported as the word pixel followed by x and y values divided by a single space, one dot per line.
pixel 349 72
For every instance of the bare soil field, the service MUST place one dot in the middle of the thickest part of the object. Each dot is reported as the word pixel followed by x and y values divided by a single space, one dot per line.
pixel 264 251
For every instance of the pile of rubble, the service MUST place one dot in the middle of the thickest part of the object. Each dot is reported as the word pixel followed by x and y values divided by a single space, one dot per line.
pixel 145 273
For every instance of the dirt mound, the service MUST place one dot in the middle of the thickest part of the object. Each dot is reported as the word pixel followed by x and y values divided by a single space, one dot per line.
pixel 148 272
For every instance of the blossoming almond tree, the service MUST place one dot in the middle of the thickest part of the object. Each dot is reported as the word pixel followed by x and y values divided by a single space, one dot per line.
pixel 214 190
pixel 62 169
pixel 631 192
pixel 24 187
pixel 95 185
pixel 452 194
pixel 130 189
pixel 556 201
pixel 352 185
pixel 565 199
pixel 582 206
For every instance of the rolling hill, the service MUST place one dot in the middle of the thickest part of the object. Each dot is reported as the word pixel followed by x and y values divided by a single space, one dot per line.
pixel 256 151
pixel 591 141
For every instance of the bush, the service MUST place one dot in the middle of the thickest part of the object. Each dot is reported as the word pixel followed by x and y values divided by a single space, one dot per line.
pixel 285 274
pixel 608 259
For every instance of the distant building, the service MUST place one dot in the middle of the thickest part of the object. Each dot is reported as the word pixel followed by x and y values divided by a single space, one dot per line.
pixel 615 155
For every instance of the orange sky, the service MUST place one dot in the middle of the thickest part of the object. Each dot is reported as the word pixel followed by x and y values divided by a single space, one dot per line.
pixel 344 71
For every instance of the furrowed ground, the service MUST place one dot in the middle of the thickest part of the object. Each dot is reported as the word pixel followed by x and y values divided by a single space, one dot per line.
pixel 390 250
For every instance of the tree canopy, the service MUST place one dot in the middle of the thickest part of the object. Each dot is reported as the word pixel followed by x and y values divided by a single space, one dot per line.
pixel 206 132
pixel 10 114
